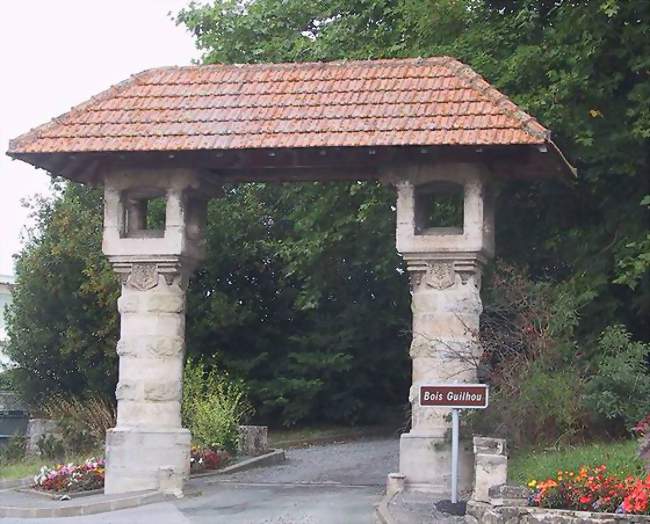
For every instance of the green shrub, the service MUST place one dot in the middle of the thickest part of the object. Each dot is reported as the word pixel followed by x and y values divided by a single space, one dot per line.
pixel 213 406
pixel 620 389
pixel 14 451
pixel 527 333
pixel 50 447
pixel 546 407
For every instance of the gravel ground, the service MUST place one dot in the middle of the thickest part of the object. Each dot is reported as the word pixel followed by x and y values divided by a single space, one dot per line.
pixel 361 463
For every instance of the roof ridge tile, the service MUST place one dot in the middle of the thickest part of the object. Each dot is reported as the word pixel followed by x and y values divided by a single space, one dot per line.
pixel 528 123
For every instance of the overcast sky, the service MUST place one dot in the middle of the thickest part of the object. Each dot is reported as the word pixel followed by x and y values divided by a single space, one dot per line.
pixel 56 54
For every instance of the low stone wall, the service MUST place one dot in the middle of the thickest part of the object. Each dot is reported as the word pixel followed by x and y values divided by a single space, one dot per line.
pixel 484 513
pixel 36 428
pixel 253 440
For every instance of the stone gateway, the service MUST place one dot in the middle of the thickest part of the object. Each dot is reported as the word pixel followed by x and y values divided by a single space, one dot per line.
pixel 431 128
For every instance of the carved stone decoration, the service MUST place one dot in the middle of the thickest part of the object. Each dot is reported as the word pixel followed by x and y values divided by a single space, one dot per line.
pixel 440 275
pixel 143 276
pixel 415 278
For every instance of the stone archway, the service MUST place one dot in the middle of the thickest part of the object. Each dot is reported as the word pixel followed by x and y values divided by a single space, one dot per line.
pixel 421 125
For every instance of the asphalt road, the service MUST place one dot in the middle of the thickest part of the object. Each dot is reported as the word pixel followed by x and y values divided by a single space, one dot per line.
pixel 332 484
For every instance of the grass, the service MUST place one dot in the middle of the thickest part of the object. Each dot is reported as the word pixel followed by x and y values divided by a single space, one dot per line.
pixel 29 466
pixel 620 457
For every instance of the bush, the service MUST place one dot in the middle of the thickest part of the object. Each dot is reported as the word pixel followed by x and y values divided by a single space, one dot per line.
pixel 527 336
pixel 83 421
pixel 14 451
pixel 620 389
pixel 50 447
pixel 213 406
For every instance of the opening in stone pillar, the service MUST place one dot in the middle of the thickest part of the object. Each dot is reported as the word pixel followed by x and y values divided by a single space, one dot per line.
pixel 144 213
pixel 439 209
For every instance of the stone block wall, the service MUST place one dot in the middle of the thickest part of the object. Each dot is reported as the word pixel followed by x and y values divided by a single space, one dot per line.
pixel 484 513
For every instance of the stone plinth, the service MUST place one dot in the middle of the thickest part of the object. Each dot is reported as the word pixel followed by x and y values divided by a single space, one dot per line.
pixel 425 460
pixel 135 456
pixel 491 466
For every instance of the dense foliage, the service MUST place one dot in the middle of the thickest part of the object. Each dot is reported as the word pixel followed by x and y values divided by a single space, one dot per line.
pixel 63 323
pixel 302 292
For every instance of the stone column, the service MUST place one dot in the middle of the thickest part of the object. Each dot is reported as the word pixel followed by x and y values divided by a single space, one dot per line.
pixel 148 443
pixel 445 265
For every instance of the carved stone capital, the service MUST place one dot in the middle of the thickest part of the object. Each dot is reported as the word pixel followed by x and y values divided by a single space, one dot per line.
pixel 144 273
pixel 441 271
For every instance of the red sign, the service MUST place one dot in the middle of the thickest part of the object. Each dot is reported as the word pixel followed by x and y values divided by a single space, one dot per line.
pixel 464 396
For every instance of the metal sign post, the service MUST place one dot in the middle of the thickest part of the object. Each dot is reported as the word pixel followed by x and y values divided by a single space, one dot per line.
pixel 456 397
pixel 454 456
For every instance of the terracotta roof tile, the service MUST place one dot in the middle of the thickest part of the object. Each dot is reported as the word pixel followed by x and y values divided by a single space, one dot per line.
pixel 434 101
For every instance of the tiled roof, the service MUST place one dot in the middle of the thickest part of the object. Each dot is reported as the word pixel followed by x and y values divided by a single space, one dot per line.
pixel 433 101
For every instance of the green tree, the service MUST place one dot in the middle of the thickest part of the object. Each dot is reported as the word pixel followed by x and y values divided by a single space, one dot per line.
pixel 63 322
pixel 581 67
pixel 299 294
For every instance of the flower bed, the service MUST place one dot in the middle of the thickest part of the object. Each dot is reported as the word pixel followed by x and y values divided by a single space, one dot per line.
pixel 592 489
pixel 204 459
pixel 71 478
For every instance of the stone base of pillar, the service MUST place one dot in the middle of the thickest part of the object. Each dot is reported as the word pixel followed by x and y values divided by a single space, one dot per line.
pixel 425 460
pixel 134 458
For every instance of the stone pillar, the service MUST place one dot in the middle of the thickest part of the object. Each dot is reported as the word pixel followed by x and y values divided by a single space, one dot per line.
pixel 151 348
pixel 491 466
pixel 148 442
pixel 446 306
pixel 445 266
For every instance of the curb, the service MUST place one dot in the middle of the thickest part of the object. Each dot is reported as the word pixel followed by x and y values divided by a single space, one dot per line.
pixel 383 513
pixel 84 509
pixel 275 456
pixel 57 496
